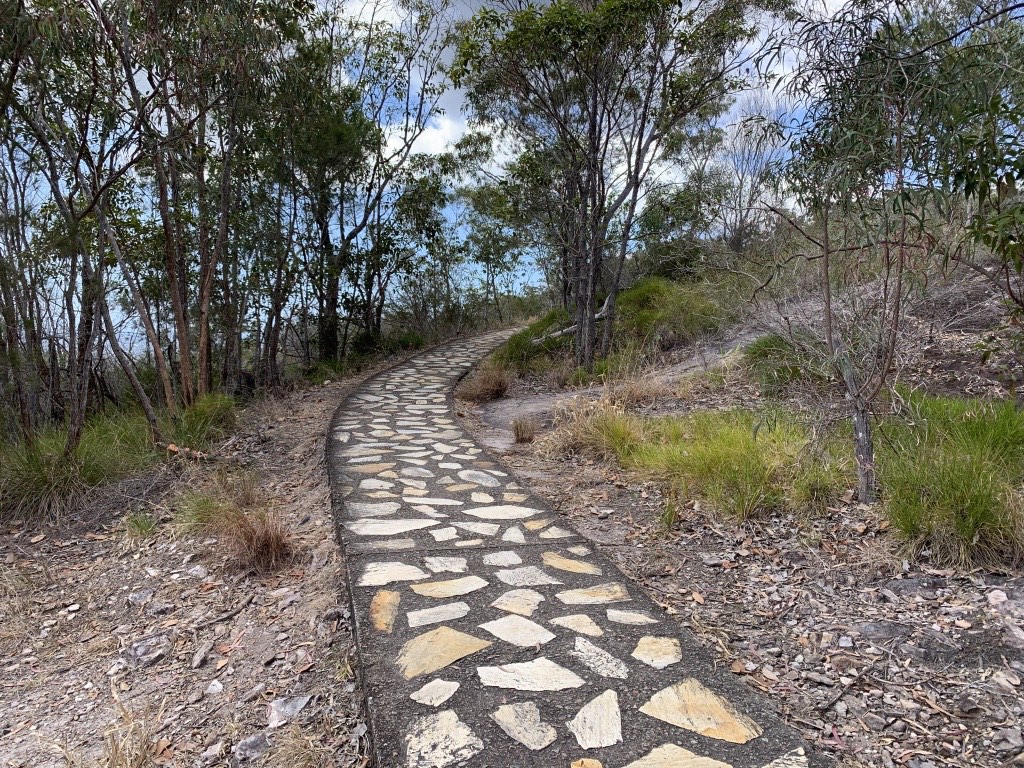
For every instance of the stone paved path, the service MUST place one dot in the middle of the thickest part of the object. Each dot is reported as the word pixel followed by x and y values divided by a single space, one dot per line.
pixel 489 633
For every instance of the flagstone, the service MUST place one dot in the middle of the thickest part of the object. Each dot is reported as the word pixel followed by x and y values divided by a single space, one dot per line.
pixel 629 617
pixel 379 574
pixel 598 661
pixel 514 535
pixel 440 740
pixel 794 759
pixel 384 609
pixel 517 630
pixel 586 762
pixel 691 705
pixel 579 550
pixel 612 592
pixel 521 721
pixel 386 527
pixel 674 756
pixel 658 652
pixel 536 525
pixel 503 512
pixel 502 558
pixel 521 601
pixel 554 532
pixel 444 534
pixel 435 693
pixel 477 477
pixel 484 529
pixel 451 588
pixel 599 723
pixel 555 560
pixel 528 576
pixel 541 674
pixel 439 502
pixel 446 564
pixel 371 469
pixel 446 612
pixel 435 650
pixel 373 484
pixel 362 509
pixel 481 498
pixel 579 622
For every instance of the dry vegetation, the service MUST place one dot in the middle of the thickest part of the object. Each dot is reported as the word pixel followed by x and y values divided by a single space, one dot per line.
pixel 488 382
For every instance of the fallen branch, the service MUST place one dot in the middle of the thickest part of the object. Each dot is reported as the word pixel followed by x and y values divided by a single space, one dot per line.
pixel 572 328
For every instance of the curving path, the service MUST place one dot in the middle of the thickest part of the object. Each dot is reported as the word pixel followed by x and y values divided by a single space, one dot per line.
pixel 492 635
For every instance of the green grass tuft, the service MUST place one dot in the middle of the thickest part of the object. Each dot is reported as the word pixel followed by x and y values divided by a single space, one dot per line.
pixel 778 363
pixel 666 313
pixel 207 420
pixel 521 355
pixel 952 473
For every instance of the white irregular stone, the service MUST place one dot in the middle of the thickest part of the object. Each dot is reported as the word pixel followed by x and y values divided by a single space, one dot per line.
pixel 502 559
pixel 598 660
pixel 481 498
pixel 504 512
pixel 522 722
pixel 519 631
pixel 630 617
pixel 479 478
pixel 554 532
pixel 579 622
pixel 579 550
pixel 440 740
pixel 373 484
pixel 528 576
pixel 541 674
pixel 379 574
pixel 446 612
pixel 434 502
pixel 484 529
pixel 446 564
pixel 435 693
pixel 521 601
pixel 612 592
pixel 444 534
pixel 514 535
pixel 658 652
pixel 451 588
pixel 386 527
pixel 599 723
pixel 794 759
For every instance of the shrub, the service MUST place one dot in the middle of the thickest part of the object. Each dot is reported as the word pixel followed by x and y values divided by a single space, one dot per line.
pixel 520 354
pixel 778 363
pixel 952 472
pixel 665 313
pixel 524 430
pixel 741 462
pixel 39 480
pixel 254 536
pixel 207 420
pixel 487 383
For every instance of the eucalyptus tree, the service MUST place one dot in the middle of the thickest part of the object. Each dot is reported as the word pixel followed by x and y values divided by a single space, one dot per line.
pixel 601 89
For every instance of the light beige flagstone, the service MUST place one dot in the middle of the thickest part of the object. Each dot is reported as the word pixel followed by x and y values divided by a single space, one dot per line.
pixel 446 612
pixel 598 660
pixel 554 532
pixel 528 576
pixel 673 756
pixel 514 535
pixel 521 601
pixel 690 705
pixel 579 550
pixel 436 502
pixel 579 622
pixel 435 693
pixel 384 609
pixel 457 486
pixel 599 723
pixel 386 527
pixel 481 498
pixel 451 588
pixel 514 497
pixel 658 652
pixel 469 542
pixel 379 574
pixel 446 564
pixel 503 512
pixel 612 592
pixel 517 630
pixel 794 759
pixel 522 722
pixel 586 762
pixel 367 509
pixel 444 534
pixel 629 617
pixel 370 469
pixel 540 674
pixel 555 560
pixel 477 477
pixel 502 559
pixel 435 650
pixel 485 529
pixel 440 740
pixel 536 525
pixel 373 484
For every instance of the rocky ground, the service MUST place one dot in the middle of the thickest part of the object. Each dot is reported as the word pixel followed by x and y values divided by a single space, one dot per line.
pixel 121 651
pixel 880 661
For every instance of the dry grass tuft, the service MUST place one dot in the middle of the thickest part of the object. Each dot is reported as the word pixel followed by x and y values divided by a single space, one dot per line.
pixel 635 391
pixel 296 748
pixel 524 430
pixel 233 511
pixel 489 382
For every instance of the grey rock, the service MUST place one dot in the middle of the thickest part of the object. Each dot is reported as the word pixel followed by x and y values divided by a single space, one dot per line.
pixel 283 711
pixel 148 652
pixel 252 747
pixel 141 597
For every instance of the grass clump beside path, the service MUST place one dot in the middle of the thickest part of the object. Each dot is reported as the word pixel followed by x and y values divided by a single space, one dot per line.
pixel 952 474
pixel 740 462
pixel 666 313
pixel 777 364
pixel 38 480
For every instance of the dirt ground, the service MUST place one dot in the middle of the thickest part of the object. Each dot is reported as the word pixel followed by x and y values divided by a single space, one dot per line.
pixel 108 642
pixel 878 660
